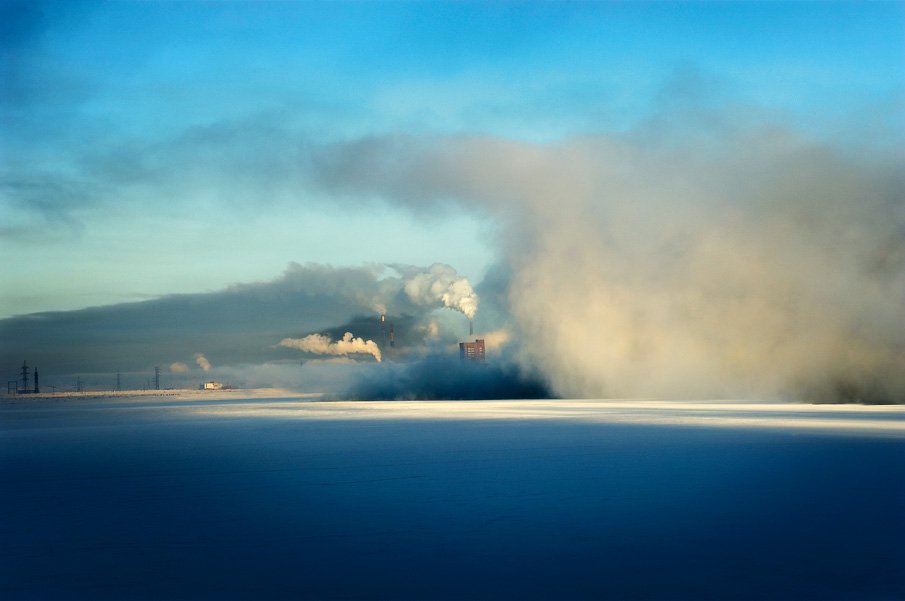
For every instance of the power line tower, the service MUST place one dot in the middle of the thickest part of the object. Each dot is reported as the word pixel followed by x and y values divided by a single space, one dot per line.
pixel 156 378
pixel 24 377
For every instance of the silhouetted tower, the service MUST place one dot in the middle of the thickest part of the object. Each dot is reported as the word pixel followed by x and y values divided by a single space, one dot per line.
pixel 383 328
pixel 118 382
pixel 78 384
pixel 470 327
pixel 24 377
pixel 392 335
pixel 37 389
pixel 156 378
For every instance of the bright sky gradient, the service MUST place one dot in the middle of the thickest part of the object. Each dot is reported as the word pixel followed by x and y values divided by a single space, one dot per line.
pixel 151 148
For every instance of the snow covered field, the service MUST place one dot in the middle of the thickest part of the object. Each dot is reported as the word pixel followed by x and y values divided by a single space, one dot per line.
pixel 279 497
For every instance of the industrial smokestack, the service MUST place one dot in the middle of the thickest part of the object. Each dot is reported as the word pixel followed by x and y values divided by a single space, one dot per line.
pixel 470 327
pixel 392 335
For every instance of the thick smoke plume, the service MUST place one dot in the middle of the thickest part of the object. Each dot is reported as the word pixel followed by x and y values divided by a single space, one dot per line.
pixel 319 344
pixel 440 285
pixel 707 261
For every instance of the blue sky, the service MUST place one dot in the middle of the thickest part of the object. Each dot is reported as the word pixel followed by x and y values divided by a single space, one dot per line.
pixel 160 147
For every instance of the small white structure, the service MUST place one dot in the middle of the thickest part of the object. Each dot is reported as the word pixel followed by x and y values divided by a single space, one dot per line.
pixel 213 385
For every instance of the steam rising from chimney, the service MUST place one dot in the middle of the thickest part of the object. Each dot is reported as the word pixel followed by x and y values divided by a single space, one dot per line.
pixel 322 345
pixel 441 285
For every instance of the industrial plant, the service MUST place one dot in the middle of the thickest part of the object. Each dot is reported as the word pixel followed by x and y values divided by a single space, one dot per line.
pixel 472 351
pixel 388 337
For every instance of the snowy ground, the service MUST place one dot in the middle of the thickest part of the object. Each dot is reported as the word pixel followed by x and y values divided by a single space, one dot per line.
pixel 275 497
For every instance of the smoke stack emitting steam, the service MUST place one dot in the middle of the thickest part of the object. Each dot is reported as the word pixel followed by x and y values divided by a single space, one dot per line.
pixel 322 345
pixel 441 285
pixel 434 287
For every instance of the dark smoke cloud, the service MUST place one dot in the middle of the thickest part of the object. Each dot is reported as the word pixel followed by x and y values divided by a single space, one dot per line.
pixel 442 377
pixel 236 325
pixel 237 330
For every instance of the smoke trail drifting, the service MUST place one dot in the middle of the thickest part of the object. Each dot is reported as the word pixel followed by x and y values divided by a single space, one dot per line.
pixel 322 345
pixel 202 362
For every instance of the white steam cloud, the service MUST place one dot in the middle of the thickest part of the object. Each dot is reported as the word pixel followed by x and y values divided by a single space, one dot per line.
pixel 711 262
pixel 496 339
pixel 440 285
pixel 202 362
pixel 178 367
pixel 322 345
